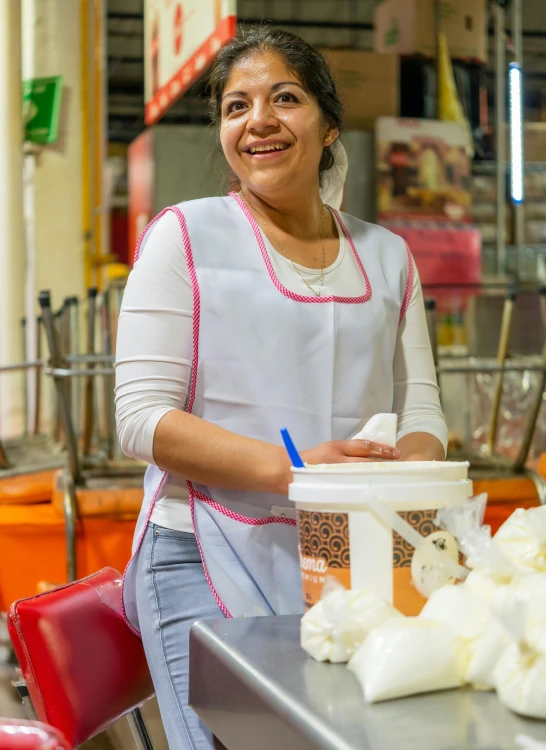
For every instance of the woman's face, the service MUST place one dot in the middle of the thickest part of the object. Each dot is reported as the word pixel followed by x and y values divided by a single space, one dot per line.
pixel 272 131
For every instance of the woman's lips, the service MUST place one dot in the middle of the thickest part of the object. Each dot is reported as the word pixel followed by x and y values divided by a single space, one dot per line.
pixel 268 154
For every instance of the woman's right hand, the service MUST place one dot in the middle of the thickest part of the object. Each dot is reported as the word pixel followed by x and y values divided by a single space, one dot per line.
pixel 349 451
pixel 338 452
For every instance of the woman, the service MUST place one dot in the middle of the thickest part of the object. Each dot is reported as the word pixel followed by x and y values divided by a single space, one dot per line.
pixel 242 315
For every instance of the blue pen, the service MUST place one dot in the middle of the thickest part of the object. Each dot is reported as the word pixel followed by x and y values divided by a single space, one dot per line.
pixel 293 454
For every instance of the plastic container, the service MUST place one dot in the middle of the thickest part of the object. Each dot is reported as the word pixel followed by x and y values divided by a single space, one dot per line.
pixel 339 537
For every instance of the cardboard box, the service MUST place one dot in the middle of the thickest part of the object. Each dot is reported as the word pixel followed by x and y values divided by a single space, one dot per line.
pixel 534 142
pixel 369 85
pixel 407 27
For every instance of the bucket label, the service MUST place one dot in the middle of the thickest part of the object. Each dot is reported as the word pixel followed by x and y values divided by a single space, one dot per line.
pixel 423 522
pixel 324 552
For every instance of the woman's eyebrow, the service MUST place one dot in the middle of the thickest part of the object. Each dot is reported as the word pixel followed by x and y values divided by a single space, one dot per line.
pixel 287 83
pixel 274 87
pixel 234 93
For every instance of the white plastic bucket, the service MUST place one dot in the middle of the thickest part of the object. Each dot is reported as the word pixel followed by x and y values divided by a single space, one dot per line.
pixel 339 537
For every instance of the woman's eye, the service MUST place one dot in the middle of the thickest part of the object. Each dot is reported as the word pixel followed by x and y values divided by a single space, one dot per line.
pixel 286 98
pixel 235 107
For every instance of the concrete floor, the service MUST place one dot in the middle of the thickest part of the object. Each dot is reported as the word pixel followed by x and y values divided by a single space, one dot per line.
pixel 117 738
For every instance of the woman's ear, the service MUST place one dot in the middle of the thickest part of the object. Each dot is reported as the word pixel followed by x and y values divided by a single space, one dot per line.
pixel 332 134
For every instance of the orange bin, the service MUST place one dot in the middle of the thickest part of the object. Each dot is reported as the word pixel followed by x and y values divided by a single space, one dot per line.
pixel 30 488
pixel 504 496
pixel 33 547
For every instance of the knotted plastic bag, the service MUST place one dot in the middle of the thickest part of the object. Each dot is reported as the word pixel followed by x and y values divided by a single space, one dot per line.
pixel 334 628
pixel 520 674
pixel 522 538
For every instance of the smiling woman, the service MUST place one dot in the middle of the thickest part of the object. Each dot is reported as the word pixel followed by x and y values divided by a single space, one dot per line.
pixel 243 314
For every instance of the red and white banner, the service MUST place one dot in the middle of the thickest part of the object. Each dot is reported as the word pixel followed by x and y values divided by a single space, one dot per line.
pixel 181 38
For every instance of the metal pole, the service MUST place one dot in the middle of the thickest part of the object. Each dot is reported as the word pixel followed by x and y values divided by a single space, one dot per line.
pixel 500 113
pixel 89 386
pixel 26 357
pixel 60 383
pixel 139 730
pixel 502 352
pixel 73 314
pixel 519 210
pixel 70 514
pixel 38 380
pixel 109 411
pixel 530 426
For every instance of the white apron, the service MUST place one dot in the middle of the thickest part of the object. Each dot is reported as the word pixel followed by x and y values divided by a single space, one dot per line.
pixel 265 358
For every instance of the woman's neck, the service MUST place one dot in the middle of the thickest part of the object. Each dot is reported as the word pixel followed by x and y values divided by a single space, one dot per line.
pixel 299 218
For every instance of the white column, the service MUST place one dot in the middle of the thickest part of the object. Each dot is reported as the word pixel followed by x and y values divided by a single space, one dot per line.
pixel 51 41
pixel 12 251
pixel 51 47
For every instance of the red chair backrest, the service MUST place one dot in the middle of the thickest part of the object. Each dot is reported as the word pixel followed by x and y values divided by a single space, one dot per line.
pixel 83 666
pixel 16 734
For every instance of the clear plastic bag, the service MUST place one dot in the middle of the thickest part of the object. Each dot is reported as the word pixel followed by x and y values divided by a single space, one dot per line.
pixel 337 625
pixel 520 674
pixel 522 538
pixel 409 656
pixel 483 554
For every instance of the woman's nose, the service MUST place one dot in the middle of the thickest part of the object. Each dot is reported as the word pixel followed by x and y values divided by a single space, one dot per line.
pixel 262 117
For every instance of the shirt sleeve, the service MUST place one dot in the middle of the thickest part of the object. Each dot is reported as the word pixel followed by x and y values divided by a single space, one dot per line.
pixel 154 342
pixel 416 392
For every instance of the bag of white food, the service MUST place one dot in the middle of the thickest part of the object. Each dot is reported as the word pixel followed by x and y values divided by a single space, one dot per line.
pixel 483 556
pixel 520 673
pixel 469 615
pixel 522 538
pixel 335 627
pixel 409 656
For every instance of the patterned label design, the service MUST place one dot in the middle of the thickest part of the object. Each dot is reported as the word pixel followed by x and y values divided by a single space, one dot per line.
pixel 423 522
pixel 324 552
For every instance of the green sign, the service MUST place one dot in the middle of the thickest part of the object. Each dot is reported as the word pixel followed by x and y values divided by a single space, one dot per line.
pixel 392 34
pixel 41 108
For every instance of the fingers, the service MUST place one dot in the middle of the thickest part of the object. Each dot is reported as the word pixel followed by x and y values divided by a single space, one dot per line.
pixel 368 449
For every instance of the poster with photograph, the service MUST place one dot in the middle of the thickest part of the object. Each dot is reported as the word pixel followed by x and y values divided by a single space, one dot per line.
pixel 423 170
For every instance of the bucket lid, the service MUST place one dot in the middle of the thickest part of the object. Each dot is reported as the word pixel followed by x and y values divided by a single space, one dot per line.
pixel 382 472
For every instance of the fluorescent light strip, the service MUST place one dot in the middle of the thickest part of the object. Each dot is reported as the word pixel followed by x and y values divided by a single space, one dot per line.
pixel 516 133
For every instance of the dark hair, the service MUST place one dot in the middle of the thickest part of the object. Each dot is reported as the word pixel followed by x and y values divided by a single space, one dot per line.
pixel 301 58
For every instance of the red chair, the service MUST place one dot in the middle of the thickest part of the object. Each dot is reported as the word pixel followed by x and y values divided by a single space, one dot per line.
pixel 16 734
pixel 82 666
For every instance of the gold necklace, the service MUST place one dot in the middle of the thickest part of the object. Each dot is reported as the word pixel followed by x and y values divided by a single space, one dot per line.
pixel 282 251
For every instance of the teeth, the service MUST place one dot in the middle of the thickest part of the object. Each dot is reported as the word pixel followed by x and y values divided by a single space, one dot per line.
pixel 269 147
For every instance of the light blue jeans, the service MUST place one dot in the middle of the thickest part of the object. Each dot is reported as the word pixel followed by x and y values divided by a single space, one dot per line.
pixel 172 593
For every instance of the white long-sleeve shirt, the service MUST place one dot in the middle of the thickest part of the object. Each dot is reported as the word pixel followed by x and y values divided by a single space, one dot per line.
pixel 155 348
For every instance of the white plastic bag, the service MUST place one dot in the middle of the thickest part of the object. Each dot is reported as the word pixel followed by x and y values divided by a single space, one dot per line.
pixel 484 655
pixel 337 625
pixel 408 656
pixel 459 608
pixel 520 680
pixel 520 674
pixel 528 592
pixel 522 538
pixel 482 585
pixel 470 615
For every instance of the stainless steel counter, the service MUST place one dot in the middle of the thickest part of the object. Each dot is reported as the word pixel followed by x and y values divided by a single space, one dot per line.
pixel 254 686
